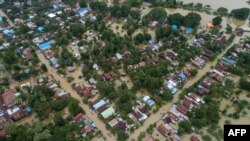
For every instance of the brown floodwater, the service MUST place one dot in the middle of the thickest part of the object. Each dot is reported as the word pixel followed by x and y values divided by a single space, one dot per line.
pixel 229 4
pixel 237 22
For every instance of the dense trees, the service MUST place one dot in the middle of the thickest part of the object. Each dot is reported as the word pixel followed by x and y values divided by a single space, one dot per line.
pixel 156 14
pixel 217 20
pixel 98 6
pixel 176 19
pixel 192 20
pixel 241 13
pixel 244 84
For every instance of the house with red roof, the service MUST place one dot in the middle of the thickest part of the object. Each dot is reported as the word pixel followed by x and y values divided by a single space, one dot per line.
pixel 8 98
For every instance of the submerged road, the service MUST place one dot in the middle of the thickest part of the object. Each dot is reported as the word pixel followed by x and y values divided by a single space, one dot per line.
pixel 156 116
pixel 67 87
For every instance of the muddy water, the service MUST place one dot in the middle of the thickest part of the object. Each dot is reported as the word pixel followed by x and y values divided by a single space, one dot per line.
pixel 215 4
pixel 237 22
pixel 65 85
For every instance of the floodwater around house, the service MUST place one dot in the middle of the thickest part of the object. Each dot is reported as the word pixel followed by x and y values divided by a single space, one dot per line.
pixel 215 4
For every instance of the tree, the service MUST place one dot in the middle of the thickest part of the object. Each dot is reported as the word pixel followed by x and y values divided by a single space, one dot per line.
pixel 241 13
pixel 222 11
pixel 192 20
pixel 244 84
pixel 186 126
pixel 83 3
pixel 74 107
pixel 217 20
pixel 206 138
pixel 58 119
pixel 156 14
pixel 176 19
pixel 229 29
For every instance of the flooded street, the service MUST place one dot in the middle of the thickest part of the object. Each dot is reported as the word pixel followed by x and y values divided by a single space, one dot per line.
pixel 190 82
pixel 215 4
pixel 67 87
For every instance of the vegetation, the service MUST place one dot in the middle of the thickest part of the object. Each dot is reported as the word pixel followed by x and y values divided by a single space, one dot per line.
pixel 241 14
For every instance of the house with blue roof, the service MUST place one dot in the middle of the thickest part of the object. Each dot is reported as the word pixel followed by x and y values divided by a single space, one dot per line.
pixel 8 32
pixel 174 27
pixel 182 76
pixel 82 11
pixel 189 30
pixel 229 61
pixel 54 62
pixel 1 19
pixel 99 104
pixel 40 28
pixel 45 45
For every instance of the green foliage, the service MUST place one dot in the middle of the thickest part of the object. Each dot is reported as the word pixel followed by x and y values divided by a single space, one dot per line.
pixel 185 127
pixel 120 11
pixel 206 138
pixel 176 19
pixel 74 107
pixel 241 13
pixel 217 20
pixel 156 14
pixel 222 11
pixel 98 6
pixel 192 20
pixel 244 84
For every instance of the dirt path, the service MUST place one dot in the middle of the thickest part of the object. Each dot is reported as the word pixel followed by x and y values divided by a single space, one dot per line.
pixel 153 118
pixel 3 14
pixel 65 85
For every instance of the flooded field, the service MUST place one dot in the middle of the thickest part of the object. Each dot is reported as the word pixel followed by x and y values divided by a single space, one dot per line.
pixel 230 4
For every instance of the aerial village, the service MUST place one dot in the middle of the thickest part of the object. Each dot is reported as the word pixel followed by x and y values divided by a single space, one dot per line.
pixel 120 70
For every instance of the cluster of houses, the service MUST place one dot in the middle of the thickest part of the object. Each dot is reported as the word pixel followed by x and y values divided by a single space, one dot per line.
pixel 179 111
pixel 109 114
pixel 10 109
pixel 85 123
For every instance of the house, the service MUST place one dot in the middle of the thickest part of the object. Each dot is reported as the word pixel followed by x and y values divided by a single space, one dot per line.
pixel 8 32
pixel 84 91
pixel 79 118
pixel 182 76
pixel 40 28
pixel 165 129
pixel 92 81
pixel 122 72
pixel 171 85
pixel 16 113
pixel 27 54
pixel 45 45
pixel 3 134
pixel 51 15
pixel 198 62
pixel 171 117
pixel 108 112
pixel 63 95
pixel 95 67
pixel 99 104
pixel 207 82
pixel 174 27
pixel 137 115
pixel 148 101
pixel 210 25
pixel 122 125
pixel 48 54
pixel 8 97
pixel 82 11
pixel 142 64
pixel 149 138
pixel 194 138
pixel 86 130
pixel 70 68
pixel 118 56
pixel 189 30
pixel 54 62
pixel 153 24
pixel 107 76
pixel 113 122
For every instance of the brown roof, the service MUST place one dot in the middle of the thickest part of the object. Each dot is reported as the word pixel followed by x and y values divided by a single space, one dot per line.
pixel 8 97
pixel 149 138
pixel 194 138
pixel 162 129
pixel 84 91
pixel 79 117
pixel 27 54
pixel 18 115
